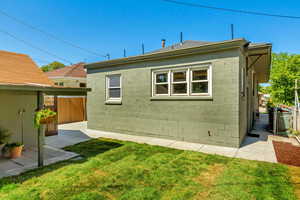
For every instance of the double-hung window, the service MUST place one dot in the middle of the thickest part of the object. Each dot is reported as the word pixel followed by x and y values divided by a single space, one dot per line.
pixel 113 88
pixel 179 82
pixel 182 81
pixel 199 82
pixel 161 83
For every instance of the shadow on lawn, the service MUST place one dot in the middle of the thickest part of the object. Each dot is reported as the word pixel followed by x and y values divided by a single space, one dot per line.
pixel 87 150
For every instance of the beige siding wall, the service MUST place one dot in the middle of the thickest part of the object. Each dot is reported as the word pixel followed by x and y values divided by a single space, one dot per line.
pixel 11 103
pixel 69 82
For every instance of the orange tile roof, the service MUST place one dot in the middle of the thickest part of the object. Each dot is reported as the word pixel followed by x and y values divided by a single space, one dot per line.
pixel 76 70
pixel 19 69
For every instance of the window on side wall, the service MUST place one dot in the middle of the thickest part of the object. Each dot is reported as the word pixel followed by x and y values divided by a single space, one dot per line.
pixel 179 82
pixel 243 81
pixel 184 81
pixel 161 83
pixel 82 84
pixel 113 88
pixel 199 82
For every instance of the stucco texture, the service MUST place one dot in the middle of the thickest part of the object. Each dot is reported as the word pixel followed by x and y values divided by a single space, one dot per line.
pixel 188 120
pixel 11 103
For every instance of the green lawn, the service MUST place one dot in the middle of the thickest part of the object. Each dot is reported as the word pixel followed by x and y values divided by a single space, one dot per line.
pixel 124 170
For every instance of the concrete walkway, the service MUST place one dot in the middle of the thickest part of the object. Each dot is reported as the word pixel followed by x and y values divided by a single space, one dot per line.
pixel 260 148
pixel 10 167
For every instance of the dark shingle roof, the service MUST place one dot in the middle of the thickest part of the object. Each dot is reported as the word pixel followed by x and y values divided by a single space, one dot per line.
pixel 183 45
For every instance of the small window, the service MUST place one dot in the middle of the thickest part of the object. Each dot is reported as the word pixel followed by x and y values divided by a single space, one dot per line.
pixel 113 87
pixel 199 81
pixel 162 83
pixel 179 82
pixel 82 84
pixel 55 83
pixel 243 81
pixel 61 84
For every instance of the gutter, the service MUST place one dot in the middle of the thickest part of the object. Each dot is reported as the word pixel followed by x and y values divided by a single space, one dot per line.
pixel 211 47
pixel 46 89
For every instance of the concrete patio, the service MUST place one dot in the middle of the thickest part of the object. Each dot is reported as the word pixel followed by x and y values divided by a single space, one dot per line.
pixel 253 148
pixel 10 167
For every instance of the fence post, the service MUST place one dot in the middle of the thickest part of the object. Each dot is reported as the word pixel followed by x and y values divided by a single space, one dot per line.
pixel 275 121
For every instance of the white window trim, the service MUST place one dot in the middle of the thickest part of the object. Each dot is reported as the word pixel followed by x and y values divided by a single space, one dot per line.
pixel 188 70
pixel 109 99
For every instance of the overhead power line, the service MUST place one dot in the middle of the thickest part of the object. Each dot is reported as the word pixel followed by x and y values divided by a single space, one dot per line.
pixel 50 35
pixel 231 10
pixel 41 60
pixel 35 47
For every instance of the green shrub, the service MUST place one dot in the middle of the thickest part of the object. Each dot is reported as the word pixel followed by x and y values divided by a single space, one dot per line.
pixel 4 135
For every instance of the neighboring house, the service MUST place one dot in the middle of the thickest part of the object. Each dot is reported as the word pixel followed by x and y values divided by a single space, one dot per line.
pixel 22 88
pixel 70 76
pixel 204 92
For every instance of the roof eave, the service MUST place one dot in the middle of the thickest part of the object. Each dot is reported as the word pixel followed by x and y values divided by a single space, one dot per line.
pixel 212 47
pixel 46 89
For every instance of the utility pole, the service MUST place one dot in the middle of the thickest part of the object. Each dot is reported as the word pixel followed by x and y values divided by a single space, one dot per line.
pixel 124 53
pixel 296 106
pixel 108 56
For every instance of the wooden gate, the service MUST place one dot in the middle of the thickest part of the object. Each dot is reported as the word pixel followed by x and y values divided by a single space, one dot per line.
pixel 68 109
pixel 51 103
pixel 71 109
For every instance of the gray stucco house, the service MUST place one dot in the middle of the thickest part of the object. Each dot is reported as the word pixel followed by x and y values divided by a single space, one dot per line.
pixel 203 92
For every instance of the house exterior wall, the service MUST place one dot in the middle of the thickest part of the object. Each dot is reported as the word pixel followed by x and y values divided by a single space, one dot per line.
pixel 243 98
pixel 11 103
pixel 188 120
pixel 69 82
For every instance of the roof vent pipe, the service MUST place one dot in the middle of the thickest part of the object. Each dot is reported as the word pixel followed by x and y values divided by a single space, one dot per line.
pixel 181 38
pixel 163 43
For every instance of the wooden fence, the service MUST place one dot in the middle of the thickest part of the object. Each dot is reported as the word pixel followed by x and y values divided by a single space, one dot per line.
pixel 69 109
pixel 296 119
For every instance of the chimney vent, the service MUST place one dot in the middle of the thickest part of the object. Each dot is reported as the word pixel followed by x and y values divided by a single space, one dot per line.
pixel 163 43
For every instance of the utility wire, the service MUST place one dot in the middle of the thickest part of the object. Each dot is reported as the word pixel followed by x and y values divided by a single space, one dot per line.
pixel 34 47
pixel 231 10
pixel 41 60
pixel 49 34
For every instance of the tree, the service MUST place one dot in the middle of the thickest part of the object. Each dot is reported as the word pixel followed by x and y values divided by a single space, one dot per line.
pixel 285 70
pixel 52 66
pixel 264 89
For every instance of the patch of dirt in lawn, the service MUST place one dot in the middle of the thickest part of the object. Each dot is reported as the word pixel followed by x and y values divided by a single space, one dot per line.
pixel 295 179
pixel 287 153
pixel 100 172
pixel 208 178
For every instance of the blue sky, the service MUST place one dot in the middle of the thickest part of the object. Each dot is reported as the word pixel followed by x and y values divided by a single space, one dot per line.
pixel 110 26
